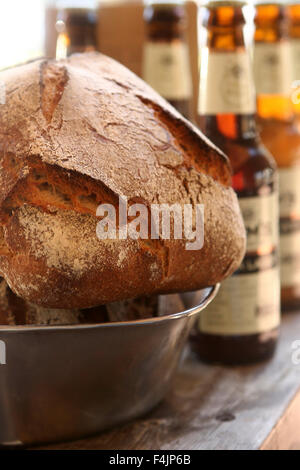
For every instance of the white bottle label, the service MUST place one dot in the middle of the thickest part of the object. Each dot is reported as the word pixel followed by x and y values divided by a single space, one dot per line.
pixel 166 68
pixel 246 304
pixel 249 301
pixel 289 185
pixel 272 68
pixel 260 216
pixel 295 46
pixel 226 84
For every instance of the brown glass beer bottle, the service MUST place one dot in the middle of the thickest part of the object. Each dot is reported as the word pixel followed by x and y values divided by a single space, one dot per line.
pixel 241 325
pixel 166 64
pixel 76 26
pixel 279 133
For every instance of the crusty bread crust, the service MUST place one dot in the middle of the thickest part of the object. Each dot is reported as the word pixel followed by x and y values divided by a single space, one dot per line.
pixel 84 131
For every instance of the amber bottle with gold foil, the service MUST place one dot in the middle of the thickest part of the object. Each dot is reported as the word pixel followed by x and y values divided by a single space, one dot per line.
pixel 280 134
pixel 166 63
pixel 241 325
pixel 76 27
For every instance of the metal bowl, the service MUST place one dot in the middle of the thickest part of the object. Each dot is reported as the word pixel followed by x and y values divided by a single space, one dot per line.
pixel 66 382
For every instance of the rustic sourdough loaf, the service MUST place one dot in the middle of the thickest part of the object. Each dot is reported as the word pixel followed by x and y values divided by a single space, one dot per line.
pixel 84 131
pixel 16 311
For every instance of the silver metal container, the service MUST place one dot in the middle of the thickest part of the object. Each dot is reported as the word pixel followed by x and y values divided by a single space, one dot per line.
pixel 66 382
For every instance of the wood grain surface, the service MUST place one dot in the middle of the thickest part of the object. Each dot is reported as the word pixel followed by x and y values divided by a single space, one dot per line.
pixel 213 407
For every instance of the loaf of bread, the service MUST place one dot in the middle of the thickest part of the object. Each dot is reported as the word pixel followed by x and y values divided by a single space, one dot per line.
pixel 16 311
pixel 85 131
pixel 143 307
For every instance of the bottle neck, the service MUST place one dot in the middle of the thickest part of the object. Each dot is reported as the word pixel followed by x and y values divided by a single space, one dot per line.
pixel 165 21
pixel 293 12
pixel 166 62
pixel 272 63
pixel 76 29
pixel 226 106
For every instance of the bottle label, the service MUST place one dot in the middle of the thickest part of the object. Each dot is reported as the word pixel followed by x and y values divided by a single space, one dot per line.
pixel 289 184
pixel 166 68
pixel 272 68
pixel 249 301
pixel 260 216
pixel 226 84
pixel 295 45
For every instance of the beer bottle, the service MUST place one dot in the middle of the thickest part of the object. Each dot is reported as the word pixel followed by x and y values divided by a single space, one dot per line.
pixel 294 34
pixel 279 133
pixel 241 325
pixel 166 64
pixel 76 27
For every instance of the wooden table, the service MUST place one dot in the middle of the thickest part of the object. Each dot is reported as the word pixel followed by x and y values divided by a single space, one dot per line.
pixel 215 407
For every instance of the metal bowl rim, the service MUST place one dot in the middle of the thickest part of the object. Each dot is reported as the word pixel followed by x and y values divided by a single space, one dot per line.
pixel 185 313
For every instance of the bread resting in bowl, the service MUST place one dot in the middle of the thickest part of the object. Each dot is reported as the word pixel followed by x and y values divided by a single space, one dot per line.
pixel 86 131
pixel 15 311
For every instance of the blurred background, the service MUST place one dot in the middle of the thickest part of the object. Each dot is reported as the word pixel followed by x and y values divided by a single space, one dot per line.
pixel 35 24
pixel 26 20
pixel 115 28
